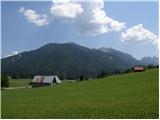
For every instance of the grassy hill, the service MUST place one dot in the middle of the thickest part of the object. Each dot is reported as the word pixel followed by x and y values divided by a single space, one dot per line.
pixel 133 95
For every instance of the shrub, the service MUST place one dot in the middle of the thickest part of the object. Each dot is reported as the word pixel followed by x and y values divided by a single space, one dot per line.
pixel 4 81
pixel 128 71
pixel 81 78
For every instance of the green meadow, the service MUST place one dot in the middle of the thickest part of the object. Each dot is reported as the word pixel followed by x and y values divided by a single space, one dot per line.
pixel 132 95
pixel 19 82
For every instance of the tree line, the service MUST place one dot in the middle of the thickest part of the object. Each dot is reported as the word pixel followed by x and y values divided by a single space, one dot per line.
pixel 102 74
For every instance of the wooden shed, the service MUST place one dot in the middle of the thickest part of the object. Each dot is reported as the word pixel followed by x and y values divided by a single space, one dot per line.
pixel 138 68
pixel 39 81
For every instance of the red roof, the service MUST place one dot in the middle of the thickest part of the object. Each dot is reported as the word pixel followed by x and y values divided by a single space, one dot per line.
pixel 137 68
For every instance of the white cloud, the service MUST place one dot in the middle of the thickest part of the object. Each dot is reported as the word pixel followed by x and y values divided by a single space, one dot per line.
pixel 66 9
pixel 12 54
pixel 33 17
pixel 60 1
pixel 117 26
pixel 138 33
pixel 94 21
pixel 89 17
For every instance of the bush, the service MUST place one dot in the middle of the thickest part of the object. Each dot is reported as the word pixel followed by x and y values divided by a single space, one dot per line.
pixel 4 81
pixel 128 71
pixel 81 78
pixel 151 66
pixel 86 78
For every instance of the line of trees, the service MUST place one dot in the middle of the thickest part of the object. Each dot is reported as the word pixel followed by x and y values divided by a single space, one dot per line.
pixel 103 74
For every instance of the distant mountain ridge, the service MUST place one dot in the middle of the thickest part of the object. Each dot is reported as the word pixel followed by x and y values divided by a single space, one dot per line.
pixel 150 61
pixel 144 61
pixel 67 60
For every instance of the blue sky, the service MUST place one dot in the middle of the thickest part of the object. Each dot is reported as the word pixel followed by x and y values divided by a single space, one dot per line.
pixel 18 34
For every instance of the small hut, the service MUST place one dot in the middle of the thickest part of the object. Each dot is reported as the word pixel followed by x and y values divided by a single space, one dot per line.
pixel 138 68
pixel 39 81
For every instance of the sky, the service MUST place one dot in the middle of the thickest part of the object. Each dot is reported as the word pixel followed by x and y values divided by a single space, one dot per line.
pixel 131 27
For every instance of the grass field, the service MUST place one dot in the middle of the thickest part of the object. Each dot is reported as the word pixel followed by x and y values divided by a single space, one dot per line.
pixel 19 82
pixel 133 95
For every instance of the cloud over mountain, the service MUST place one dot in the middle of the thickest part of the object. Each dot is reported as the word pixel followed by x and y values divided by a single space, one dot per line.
pixel 138 34
pixel 90 18
pixel 33 17
pixel 13 53
pixel 94 20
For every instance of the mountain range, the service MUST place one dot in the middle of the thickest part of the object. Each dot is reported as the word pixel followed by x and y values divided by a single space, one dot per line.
pixel 70 61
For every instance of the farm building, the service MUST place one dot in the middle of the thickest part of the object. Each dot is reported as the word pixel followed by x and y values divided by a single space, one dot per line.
pixel 138 69
pixel 39 81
